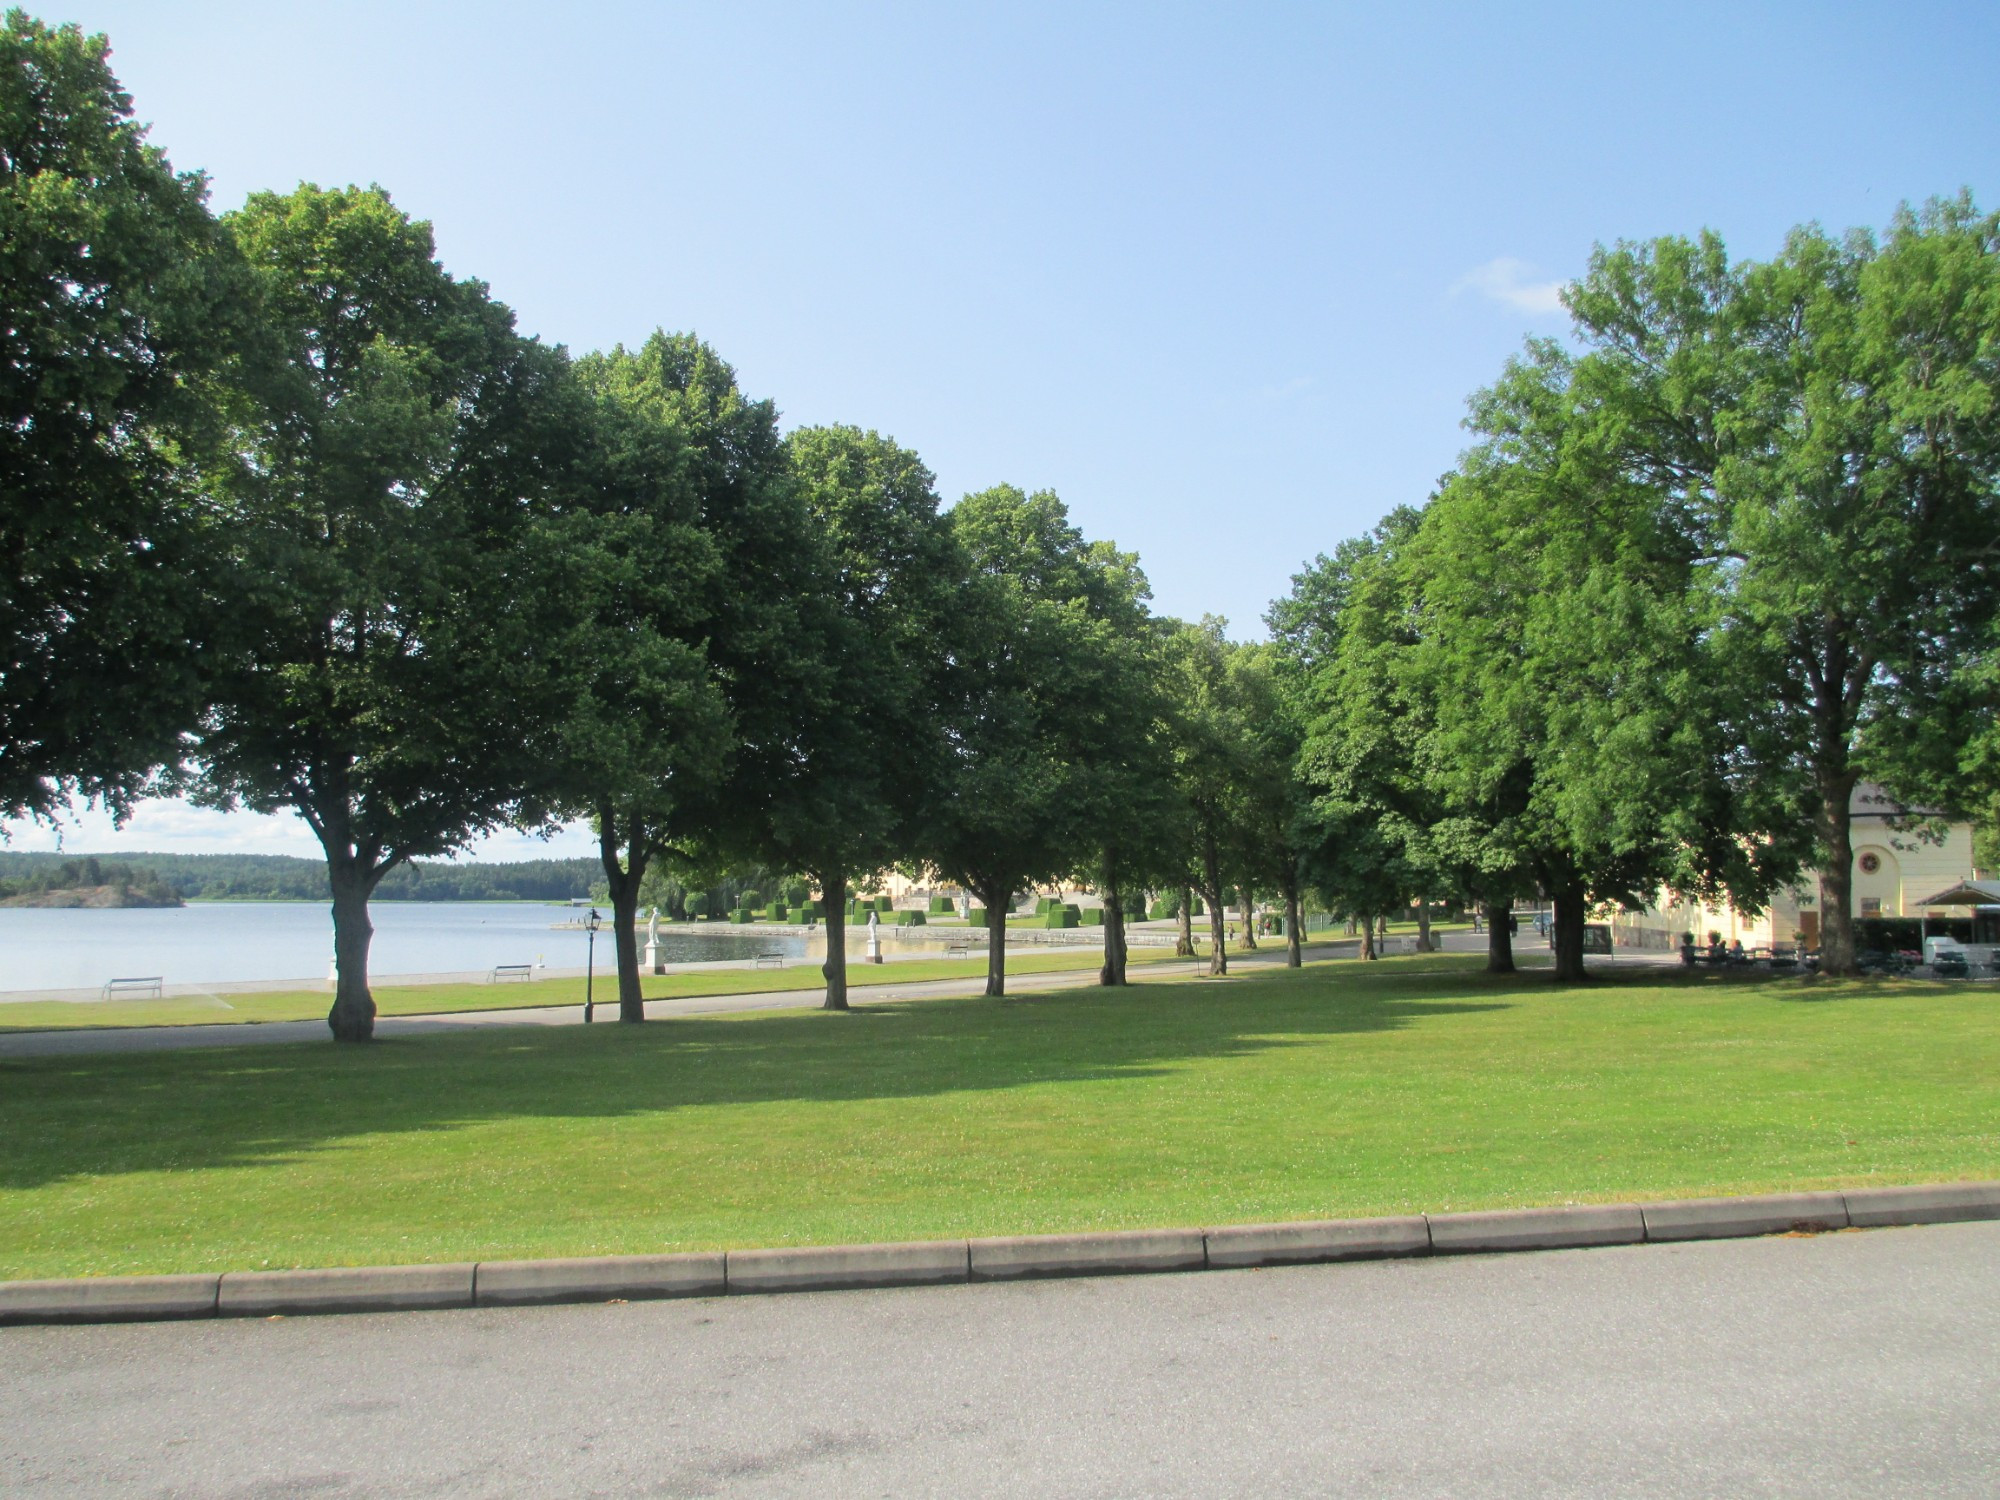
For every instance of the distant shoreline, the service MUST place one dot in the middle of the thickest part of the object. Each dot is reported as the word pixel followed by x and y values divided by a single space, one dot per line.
pixel 92 898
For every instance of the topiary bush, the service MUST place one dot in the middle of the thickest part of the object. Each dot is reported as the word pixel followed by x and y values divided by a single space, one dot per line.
pixel 697 906
pixel 976 917
pixel 943 906
pixel 912 919
pixel 750 900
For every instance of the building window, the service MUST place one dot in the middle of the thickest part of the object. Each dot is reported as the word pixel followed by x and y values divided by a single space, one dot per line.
pixel 1870 863
pixel 1871 906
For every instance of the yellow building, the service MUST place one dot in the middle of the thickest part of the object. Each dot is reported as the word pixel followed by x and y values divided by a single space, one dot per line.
pixel 1895 868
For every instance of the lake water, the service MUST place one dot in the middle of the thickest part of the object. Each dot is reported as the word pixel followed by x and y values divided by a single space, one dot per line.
pixel 234 941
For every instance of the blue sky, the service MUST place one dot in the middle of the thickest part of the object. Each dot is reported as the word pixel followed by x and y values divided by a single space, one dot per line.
pixel 1221 277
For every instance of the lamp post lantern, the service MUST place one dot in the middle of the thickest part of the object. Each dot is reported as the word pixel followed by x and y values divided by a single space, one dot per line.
pixel 590 925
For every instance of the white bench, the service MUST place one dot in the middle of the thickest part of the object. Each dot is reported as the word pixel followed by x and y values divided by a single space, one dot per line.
pixel 149 986
pixel 503 972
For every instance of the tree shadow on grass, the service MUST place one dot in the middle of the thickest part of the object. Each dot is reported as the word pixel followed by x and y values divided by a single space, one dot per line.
pixel 103 1114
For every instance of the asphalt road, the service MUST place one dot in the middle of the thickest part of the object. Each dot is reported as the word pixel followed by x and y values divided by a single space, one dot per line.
pixel 1862 1363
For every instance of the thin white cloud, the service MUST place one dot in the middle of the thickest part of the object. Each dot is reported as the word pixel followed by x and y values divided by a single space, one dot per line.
pixel 1511 283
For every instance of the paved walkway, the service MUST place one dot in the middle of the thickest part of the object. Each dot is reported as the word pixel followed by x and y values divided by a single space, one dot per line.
pixel 174 1038
pixel 167 1038
pixel 1853 1364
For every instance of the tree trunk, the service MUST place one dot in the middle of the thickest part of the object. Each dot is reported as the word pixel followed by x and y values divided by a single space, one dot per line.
pixel 1184 946
pixel 1836 876
pixel 1211 869
pixel 623 878
pixel 1368 953
pixel 1569 914
pixel 833 897
pixel 1499 937
pixel 352 1018
pixel 1249 921
pixel 998 900
pixel 1113 972
pixel 1424 943
pixel 1293 958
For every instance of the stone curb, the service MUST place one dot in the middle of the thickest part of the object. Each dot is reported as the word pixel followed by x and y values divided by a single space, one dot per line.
pixel 602 1278
pixel 1931 1203
pixel 831 1267
pixel 108 1299
pixel 1109 1254
pixel 1733 1218
pixel 1537 1228
pixel 259 1294
pixel 104 1299
pixel 1243 1245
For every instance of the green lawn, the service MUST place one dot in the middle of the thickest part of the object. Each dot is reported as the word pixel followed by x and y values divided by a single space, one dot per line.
pixel 1337 1090
pixel 434 999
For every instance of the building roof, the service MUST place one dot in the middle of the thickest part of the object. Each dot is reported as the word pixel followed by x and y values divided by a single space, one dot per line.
pixel 1967 893
pixel 1869 800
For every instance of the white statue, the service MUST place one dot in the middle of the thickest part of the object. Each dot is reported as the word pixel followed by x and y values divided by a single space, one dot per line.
pixel 653 925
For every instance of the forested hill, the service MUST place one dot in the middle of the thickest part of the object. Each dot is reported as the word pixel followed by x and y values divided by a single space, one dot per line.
pixel 280 877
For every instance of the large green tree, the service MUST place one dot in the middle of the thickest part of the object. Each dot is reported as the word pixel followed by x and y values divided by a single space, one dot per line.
pixel 672 446
pixel 1823 430
pixel 395 602
pixel 1131 800
pixel 1273 835
pixel 870 738
pixel 1036 631
pixel 1212 759
pixel 117 304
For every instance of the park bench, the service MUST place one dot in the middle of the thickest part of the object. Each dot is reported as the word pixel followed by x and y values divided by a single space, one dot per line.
pixel 149 986
pixel 770 958
pixel 510 971
pixel 959 950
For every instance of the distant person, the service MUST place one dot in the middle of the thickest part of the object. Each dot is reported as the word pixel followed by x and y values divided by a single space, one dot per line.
pixel 1736 954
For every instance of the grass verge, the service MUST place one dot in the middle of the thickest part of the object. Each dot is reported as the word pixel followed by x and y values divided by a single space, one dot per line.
pixel 1336 1090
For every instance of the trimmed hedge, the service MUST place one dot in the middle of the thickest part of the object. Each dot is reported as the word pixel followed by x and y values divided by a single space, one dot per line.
pixel 884 903
pixel 1093 916
pixel 750 900
pixel 1060 916
pixel 740 916
pixel 943 906
pixel 912 919
pixel 696 906
pixel 976 917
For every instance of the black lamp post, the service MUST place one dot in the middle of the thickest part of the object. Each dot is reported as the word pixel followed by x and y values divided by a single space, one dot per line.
pixel 590 925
